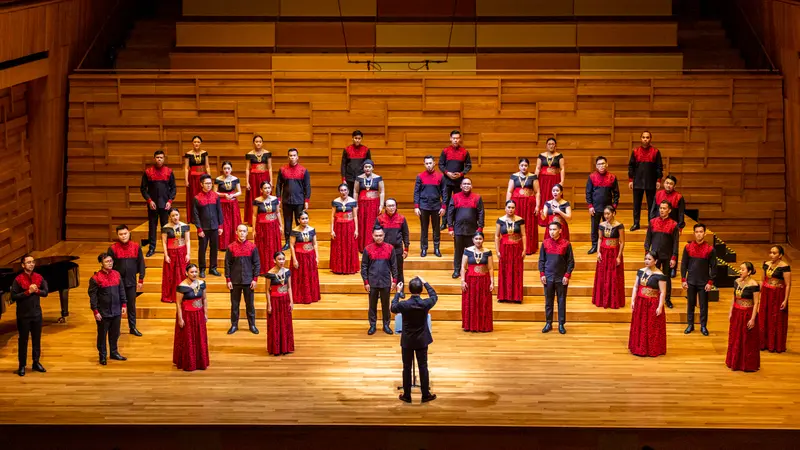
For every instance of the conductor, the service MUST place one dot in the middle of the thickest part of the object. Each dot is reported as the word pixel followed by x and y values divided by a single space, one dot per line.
pixel 416 336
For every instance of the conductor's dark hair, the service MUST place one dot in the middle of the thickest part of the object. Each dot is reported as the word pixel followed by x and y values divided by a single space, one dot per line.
pixel 358 133
pixel 557 224
pixel 190 266
pixel 158 152
pixel 664 202
pixel 121 227
pixel 524 160
pixel 672 177
pixel 750 268
pixel 197 137
pixel 427 157
pixel 455 132
pixel 415 286
pixel 204 177
pixel 599 158
pixel 258 136
pixel 276 254
pixel 28 255
pixel 292 150
pixel 699 225
pixel 103 256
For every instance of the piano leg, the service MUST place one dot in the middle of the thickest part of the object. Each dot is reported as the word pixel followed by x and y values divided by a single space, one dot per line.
pixel 63 296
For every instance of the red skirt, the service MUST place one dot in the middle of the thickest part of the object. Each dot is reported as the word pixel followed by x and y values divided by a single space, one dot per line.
pixel 191 191
pixel 510 276
pixel 305 279
pixel 280 334
pixel 268 241
pixel 368 209
pixel 256 178
pixel 743 344
pixel 648 335
pixel 526 208
pixel 190 350
pixel 546 183
pixel 476 305
pixel 232 218
pixel 173 273
pixel 344 254
pixel 772 322
pixel 564 225
pixel 609 280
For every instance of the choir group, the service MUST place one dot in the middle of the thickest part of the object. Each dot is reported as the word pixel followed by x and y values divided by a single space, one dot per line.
pixel 365 222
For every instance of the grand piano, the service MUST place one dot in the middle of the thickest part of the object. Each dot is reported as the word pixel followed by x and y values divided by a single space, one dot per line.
pixel 60 272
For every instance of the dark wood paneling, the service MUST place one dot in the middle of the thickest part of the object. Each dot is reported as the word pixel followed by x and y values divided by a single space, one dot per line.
pixel 324 35
pixel 425 8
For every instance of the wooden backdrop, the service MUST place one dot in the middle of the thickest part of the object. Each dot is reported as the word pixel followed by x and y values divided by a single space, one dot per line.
pixel 721 135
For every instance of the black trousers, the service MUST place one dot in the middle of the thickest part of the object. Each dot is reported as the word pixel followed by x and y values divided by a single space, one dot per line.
pixel 596 219
pixel 398 256
pixel 637 203
pixel 212 237
pixel 236 298
pixel 374 293
pixel 447 193
pixel 63 297
pixel 663 264
pixel 350 184
pixel 691 295
pixel 461 243
pixel 552 290
pixel 108 328
pixel 291 218
pixel 130 293
pixel 153 219
pixel 422 365
pixel 32 327
pixel 427 217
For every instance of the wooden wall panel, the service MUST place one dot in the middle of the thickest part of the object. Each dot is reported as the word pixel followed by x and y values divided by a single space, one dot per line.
pixel 425 8
pixel 245 8
pixel 522 8
pixel 206 61
pixel 528 61
pixel 628 34
pixel 328 62
pixel 225 34
pixel 22 33
pixel 399 35
pixel 527 35
pixel 290 35
pixel 328 8
pixel 623 7
pixel 24 72
pixel 609 61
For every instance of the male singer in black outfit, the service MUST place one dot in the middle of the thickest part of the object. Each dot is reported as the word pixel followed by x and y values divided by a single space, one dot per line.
pixel 556 263
pixel 662 240
pixel 379 272
pixel 602 190
pixel 159 190
pixel 242 266
pixel 208 219
pixel 129 262
pixel 645 170
pixel 353 158
pixel 294 190
pixel 416 336
pixel 26 290
pixel 395 227
pixel 698 270
pixel 465 218
pixel 428 205
pixel 455 164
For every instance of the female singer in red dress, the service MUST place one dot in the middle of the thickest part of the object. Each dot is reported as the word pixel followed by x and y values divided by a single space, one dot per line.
pixel 305 256
pixel 773 315
pixel 523 188
pixel 268 224
pixel 609 276
pixel 550 169
pixel 177 253
pixel 557 210
pixel 195 166
pixel 368 189
pixel 510 242
pixel 280 333
pixel 229 190
pixel 477 283
pixel 744 340
pixel 257 171
pixel 344 233
pixel 648 336
pixel 190 348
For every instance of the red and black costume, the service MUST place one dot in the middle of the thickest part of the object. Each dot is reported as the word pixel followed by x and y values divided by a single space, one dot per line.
pixel 645 169
pixel 306 288
pixel 698 269
pixel 197 167
pixel 259 173
pixel 129 261
pixel 231 214
pixel 743 344
pixel 524 196
pixel 455 160
pixel 267 230
pixel 609 278
pixel 353 164
pixel 107 297
pixel 294 190
pixel 662 240
pixel 190 345
pixel 549 175
pixel 676 202
pixel 551 216
pixel 29 314
pixel 556 262
pixel 428 193
pixel 476 301
pixel 648 335
pixel 396 228
pixel 369 205
pixel 208 219
pixel 602 189
pixel 158 186
pixel 242 266
pixel 465 217
pixel 174 271
pixel 511 272
pixel 379 271
pixel 344 249
pixel 773 322
pixel 280 333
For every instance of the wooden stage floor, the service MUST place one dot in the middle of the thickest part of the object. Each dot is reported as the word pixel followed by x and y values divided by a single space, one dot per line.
pixel 514 376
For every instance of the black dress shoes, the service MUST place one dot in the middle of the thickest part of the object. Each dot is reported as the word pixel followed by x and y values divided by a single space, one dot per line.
pixel 103 361
pixel 20 371
pixel 635 227
pixel 704 330
pixel 151 252
pixel 38 367
pixel 428 398
pixel 456 274
pixel 387 330
pixel 285 247
pixel 689 329
pixel 405 398
pixel 436 252
pixel 561 329
pixel 592 250
pixel 253 329
pixel 371 330
pixel 233 329
pixel 443 227
pixel 116 356
pixel 202 273
pixel 214 272
pixel 669 304
pixel 402 294
pixel 423 253
pixel 547 328
pixel 136 332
